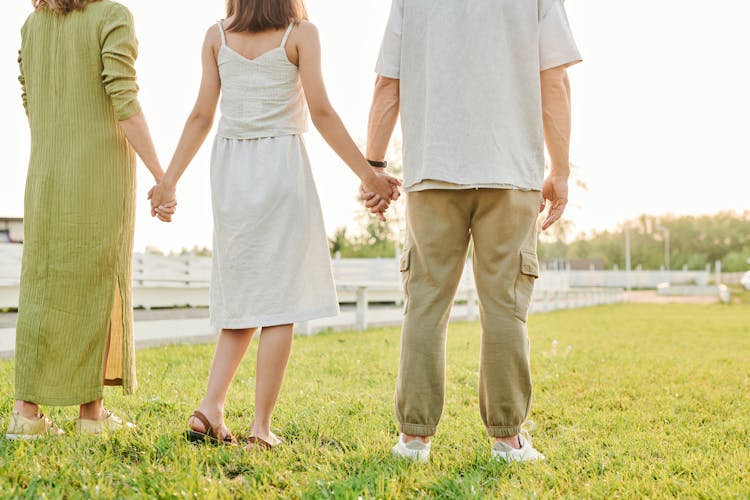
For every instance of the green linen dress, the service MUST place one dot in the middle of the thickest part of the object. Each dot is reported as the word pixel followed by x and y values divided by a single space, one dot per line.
pixel 78 79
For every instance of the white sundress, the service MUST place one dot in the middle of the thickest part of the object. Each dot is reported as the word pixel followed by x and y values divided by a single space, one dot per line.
pixel 271 263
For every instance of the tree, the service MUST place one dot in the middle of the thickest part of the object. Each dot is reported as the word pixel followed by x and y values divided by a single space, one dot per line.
pixel 374 238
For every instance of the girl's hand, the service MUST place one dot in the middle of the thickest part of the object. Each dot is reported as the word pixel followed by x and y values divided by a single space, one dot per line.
pixel 163 201
pixel 378 205
pixel 382 185
pixel 165 212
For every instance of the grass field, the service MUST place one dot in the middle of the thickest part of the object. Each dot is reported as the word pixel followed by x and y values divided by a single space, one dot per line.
pixel 630 401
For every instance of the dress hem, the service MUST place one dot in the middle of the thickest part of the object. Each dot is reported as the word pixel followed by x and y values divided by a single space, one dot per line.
pixel 265 321
pixel 86 397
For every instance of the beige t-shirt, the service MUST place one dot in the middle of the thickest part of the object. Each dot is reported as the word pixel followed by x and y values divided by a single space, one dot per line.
pixel 471 106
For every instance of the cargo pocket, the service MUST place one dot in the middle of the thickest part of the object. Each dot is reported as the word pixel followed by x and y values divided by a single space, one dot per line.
pixel 528 272
pixel 404 268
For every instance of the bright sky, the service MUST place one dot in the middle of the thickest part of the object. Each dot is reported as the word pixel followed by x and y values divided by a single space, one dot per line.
pixel 660 106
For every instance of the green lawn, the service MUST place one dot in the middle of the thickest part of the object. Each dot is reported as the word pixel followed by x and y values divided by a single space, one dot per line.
pixel 630 401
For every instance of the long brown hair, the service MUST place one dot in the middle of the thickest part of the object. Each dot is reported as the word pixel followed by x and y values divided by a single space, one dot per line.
pixel 61 6
pixel 261 15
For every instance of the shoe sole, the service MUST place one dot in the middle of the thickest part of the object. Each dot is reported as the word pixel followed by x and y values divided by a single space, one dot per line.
pixel 22 437
pixel 510 460
pixel 414 457
pixel 196 437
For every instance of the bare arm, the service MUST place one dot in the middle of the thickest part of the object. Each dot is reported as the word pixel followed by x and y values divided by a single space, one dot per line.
pixel 557 128
pixel 199 122
pixel 557 118
pixel 138 135
pixel 386 103
pixel 327 121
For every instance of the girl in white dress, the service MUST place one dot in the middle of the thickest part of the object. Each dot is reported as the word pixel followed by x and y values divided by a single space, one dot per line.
pixel 271 266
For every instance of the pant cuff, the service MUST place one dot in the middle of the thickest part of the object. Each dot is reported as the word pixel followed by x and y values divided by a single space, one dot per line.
pixel 504 431
pixel 417 429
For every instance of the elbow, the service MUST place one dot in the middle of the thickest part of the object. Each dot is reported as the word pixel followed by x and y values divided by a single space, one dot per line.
pixel 321 115
pixel 201 120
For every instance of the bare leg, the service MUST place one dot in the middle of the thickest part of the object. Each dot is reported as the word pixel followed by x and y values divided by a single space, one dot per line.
pixel 92 411
pixel 230 349
pixel 25 409
pixel 273 356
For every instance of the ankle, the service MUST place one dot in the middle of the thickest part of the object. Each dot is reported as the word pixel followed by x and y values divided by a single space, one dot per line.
pixel 408 438
pixel 211 410
pixel 26 410
pixel 92 411
pixel 512 441
pixel 214 414
pixel 261 429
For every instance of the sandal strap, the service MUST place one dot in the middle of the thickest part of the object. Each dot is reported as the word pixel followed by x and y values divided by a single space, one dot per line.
pixel 210 431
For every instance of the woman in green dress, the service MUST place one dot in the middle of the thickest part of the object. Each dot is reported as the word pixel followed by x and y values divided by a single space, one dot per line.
pixel 75 326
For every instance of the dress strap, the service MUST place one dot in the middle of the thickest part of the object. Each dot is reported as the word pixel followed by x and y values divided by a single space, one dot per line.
pixel 221 30
pixel 286 35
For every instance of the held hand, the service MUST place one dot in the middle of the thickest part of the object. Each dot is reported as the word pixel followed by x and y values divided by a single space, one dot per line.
pixel 373 202
pixel 377 205
pixel 382 185
pixel 384 188
pixel 555 190
pixel 163 201
pixel 165 212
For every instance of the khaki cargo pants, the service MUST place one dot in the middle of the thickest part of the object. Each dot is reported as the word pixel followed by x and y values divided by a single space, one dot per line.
pixel 440 223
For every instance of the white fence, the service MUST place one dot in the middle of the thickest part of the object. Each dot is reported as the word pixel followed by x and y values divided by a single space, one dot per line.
pixel 164 282
pixel 175 281
pixel 636 279
pixel 732 278
pixel 160 281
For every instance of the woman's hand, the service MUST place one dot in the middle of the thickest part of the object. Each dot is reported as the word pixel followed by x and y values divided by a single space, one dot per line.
pixel 383 185
pixel 376 203
pixel 373 203
pixel 163 198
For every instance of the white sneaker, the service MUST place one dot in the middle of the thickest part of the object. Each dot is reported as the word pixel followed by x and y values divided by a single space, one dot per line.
pixel 414 450
pixel 527 453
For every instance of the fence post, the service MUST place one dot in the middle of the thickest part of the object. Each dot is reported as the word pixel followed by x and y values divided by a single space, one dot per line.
pixel 362 308
pixel 304 328
pixel 472 305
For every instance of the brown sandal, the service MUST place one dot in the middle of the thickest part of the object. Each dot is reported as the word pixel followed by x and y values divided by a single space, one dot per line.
pixel 210 436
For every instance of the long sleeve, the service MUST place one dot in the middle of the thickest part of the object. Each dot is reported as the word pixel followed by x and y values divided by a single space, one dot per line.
pixel 119 52
pixel 22 80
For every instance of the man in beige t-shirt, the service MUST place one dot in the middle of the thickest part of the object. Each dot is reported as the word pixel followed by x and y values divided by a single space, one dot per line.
pixel 481 86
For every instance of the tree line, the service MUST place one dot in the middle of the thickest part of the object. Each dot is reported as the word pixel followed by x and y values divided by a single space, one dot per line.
pixel 694 241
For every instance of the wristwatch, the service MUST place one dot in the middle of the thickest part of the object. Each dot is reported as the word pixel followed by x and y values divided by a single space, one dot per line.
pixel 378 164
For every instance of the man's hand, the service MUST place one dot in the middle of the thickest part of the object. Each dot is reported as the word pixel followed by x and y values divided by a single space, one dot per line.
pixel 555 190
pixel 377 191
pixel 382 184
pixel 377 205
pixel 163 201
